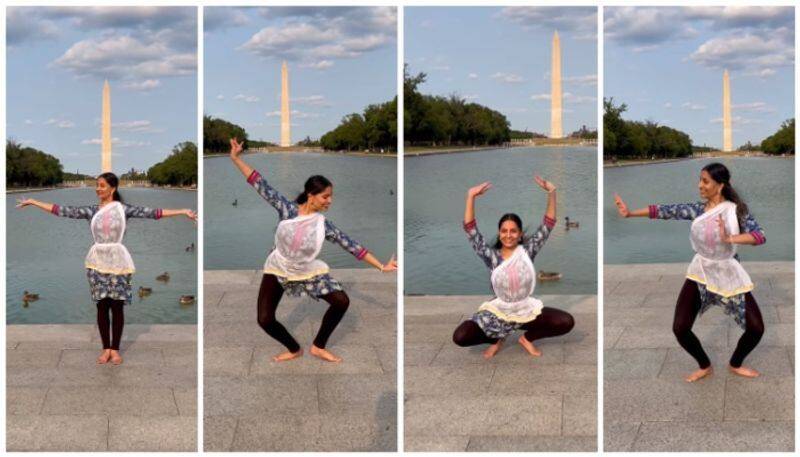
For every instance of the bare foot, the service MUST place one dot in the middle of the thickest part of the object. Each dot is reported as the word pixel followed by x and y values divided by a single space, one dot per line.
pixel 744 372
pixel 104 357
pixel 324 354
pixel 116 359
pixel 493 349
pixel 288 355
pixel 529 346
pixel 699 374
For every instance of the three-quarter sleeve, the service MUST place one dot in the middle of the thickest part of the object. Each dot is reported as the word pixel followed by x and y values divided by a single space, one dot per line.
pixel 534 243
pixel 751 226
pixel 677 211
pixel 478 243
pixel 286 209
pixel 142 212
pixel 74 212
pixel 334 235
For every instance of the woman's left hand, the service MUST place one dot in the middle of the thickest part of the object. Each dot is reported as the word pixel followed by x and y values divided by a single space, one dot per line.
pixel 391 265
pixel 191 215
pixel 723 231
pixel 545 184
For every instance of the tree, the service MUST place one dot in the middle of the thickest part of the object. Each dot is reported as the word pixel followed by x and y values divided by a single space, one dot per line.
pixel 217 134
pixel 179 169
pixel 31 167
pixel 782 141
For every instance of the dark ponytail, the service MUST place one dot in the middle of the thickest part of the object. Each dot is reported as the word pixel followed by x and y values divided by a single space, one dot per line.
pixel 314 185
pixel 112 181
pixel 509 217
pixel 720 174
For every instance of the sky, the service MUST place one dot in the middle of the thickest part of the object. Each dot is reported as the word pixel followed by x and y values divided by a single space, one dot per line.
pixel 57 60
pixel 500 58
pixel 340 60
pixel 666 65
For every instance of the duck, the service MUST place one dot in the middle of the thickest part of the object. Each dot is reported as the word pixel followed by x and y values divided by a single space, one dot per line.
pixel 391 192
pixel 572 224
pixel 27 296
pixel 145 291
pixel 548 275
pixel 190 248
pixel 186 299
pixel 235 202
pixel 163 277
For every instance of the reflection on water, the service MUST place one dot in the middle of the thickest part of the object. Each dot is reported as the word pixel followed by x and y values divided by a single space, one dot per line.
pixel 766 185
pixel 439 259
pixel 45 255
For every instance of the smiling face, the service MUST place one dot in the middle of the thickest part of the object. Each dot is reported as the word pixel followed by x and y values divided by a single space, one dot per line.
pixel 103 190
pixel 510 234
pixel 323 200
pixel 708 187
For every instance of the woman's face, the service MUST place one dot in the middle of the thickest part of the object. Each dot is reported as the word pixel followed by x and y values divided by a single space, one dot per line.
pixel 103 190
pixel 708 187
pixel 322 201
pixel 509 234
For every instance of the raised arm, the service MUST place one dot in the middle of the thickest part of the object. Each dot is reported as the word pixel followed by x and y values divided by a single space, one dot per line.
pixel 334 235
pixel 471 226
pixel 534 243
pixel 73 212
pixel 286 209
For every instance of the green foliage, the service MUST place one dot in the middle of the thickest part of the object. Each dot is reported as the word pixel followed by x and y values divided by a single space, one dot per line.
pixel 134 175
pixel 308 142
pixel 448 121
pixel 584 133
pixel 29 167
pixel 217 134
pixel 524 135
pixel 179 169
pixel 782 141
pixel 634 139
pixel 374 130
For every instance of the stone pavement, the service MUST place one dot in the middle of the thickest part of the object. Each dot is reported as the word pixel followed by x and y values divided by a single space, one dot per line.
pixel 457 401
pixel 647 404
pixel 254 404
pixel 58 399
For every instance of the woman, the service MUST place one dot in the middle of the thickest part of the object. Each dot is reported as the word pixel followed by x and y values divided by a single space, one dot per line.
pixel 513 281
pixel 715 276
pixel 292 266
pixel 109 266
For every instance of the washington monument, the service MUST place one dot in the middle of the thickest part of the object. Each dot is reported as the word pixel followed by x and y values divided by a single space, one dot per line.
pixel 555 89
pixel 286 136
pixel 727 131
pixel 105 133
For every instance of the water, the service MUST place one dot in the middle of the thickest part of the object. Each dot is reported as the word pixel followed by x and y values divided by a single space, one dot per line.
pixel 440 260
pixel 46 253
pixel 766 185
pixel 240 237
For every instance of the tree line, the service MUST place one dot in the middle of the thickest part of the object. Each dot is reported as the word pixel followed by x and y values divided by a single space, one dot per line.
pixel 634 139
pixel 179 169
pixel 782 141
pixel 373 131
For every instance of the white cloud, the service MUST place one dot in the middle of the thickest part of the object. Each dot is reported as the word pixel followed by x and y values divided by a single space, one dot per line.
pixel 143 86
pixel 135 126
pixel 693 106
pixel 117 142
pixel 28 122
pixel 668 105
pixel 321 65
pixel 748 51
pixel 585 80
pixel 569 97
pixel 472 76
pixel 295 114
pixel 60 123
pixel 311 100
pixel 509 78
pixel 471 97
pixel 759 107
pixel 737 120
pixel 221 18
pixel 247 98
pixel 564 18
pixel 537 97
pixel 220 97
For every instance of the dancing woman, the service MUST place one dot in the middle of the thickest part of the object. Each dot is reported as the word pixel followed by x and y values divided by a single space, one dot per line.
pixel 715 277
pixel 513 280
pixel 292 265
pixel 109 266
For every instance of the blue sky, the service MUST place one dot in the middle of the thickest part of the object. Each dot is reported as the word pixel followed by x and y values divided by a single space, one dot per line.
pixel 57 59
pixel 340 60
pixel 666 64
pixel 500 58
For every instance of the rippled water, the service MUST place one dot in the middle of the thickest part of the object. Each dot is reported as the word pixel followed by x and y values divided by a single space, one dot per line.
pixel 45 255
pixel 766 184
pixel 439 259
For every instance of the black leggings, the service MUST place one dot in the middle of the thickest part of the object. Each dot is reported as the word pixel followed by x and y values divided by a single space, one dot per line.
pixel 269 295
pixel 103 322
pixel 552 322
pixel 686 312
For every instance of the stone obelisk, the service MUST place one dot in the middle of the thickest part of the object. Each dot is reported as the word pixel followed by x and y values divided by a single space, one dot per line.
pixel 555 89
pixel 727 130
pixel 105 133
pixel 286 132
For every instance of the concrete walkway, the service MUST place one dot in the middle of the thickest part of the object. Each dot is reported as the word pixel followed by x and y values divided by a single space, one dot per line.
pixel 254 404
pixel 649 407
pixel 58 399
pixel 457 401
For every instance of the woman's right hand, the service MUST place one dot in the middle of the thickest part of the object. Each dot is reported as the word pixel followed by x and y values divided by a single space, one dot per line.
pixel 236 148
pixel 479 190
pixel 622 208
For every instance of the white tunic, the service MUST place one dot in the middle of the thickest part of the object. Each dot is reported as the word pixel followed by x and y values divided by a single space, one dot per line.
pixel 298 242
pixel 108 254
pixel 513 282
pixel 713 264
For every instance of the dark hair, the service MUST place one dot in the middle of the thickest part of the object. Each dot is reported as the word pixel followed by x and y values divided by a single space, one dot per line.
pixel 313 186
pixel 508 217
pixel 720 174
pixel 112 181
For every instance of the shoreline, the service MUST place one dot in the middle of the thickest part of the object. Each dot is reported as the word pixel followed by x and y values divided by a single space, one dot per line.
pixel 635 162
pixel 456 150
pixel 316 151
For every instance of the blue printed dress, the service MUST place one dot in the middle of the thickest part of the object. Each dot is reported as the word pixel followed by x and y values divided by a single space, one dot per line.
pixel 732 305
pixel 318 285
pixel 493 325
pixel 103 282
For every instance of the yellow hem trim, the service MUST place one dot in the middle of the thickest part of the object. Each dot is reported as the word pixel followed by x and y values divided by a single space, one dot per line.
pixel 506 317
pixel 297 278
pixel 107 271
pixel 724 294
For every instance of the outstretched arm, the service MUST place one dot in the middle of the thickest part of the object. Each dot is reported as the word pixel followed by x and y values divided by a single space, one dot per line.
pixel 74 212
pixel 157 213
pixel 334 235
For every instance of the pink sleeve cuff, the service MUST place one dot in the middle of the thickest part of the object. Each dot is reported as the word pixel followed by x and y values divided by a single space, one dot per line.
pixel 470 225
pixel 55 209
pixel 159 213
pixel 362 253
pixel 549 222
pixel 254 176
pixel 760 239
pixel 653 209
